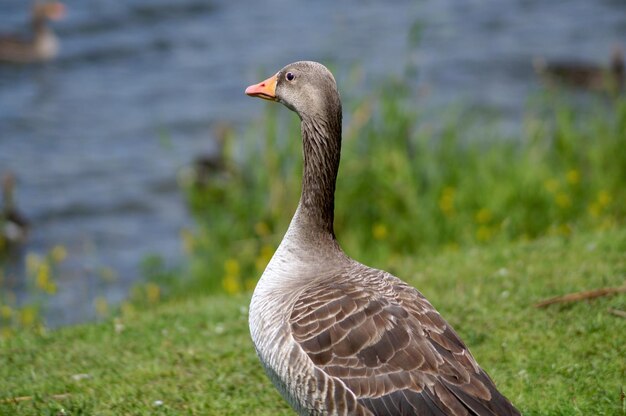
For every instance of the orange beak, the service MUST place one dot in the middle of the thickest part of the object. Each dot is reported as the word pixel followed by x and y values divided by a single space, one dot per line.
pixel 265 89
pixel 57 11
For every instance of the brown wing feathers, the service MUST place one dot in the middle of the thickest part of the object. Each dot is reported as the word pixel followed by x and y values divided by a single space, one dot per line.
pixel 390 347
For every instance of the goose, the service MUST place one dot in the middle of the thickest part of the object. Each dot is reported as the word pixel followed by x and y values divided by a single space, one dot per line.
pixel 13 225
pixel 43 45
pixel 584 75
pixel 337 337
pixel 209 169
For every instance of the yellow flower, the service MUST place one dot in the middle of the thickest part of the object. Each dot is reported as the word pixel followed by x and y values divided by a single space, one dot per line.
pixel 484 233
pixel 42 278
pixel 127 308
pixel 607 224
pixel 262 229
pixel 446 200
pixel 6 332
pixel 58 253
pixel 51 288
pixel 572 176
pixel 102 306
pixel 267 251
pixel 379 231
pixel 604 198
pixel 153 292
pixel 28 315
pixel 452 246
pixel 551 185
pixel 231 281
pixel 565 229
pixel 6 312
pixel 594 209
pixel 231 266
pixel 483 216
pixel 231 284
pixel 563 200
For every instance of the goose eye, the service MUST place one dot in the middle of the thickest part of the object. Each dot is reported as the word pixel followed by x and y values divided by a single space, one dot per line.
pixel 290 76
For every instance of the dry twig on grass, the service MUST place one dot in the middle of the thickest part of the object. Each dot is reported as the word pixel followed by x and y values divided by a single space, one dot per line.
pixel 578 296
pixel 27 398
pixel 617 312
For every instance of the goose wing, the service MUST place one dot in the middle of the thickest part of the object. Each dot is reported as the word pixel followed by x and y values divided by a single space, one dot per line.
pixel 391 348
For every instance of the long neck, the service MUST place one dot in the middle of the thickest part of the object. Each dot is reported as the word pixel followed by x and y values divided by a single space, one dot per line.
pixel 321 141
pixel 7 195
pixel 39 25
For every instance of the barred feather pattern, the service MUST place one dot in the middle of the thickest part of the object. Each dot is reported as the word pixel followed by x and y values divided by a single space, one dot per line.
pixel 390 348
pixel 346 339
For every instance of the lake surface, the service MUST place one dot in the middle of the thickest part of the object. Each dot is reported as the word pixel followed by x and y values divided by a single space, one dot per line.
pixel 96 138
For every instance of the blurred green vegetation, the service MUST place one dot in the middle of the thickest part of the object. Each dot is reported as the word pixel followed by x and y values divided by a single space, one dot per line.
pixel 410 186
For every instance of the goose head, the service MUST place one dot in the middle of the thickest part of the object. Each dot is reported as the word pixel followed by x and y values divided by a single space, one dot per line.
pixel 53 10
pixel 617 61
pixel 307 88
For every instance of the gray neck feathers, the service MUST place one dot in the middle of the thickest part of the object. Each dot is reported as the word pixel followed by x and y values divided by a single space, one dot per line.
pixel 40 25
pixel 321 141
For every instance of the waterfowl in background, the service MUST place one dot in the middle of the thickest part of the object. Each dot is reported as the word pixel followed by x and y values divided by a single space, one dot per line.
pixel 42 45
pixel 211 168
pixel 584 75
pixel 13 225
pixel 335 336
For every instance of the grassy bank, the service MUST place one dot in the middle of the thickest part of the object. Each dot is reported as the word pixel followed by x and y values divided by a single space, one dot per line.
pixel 194 356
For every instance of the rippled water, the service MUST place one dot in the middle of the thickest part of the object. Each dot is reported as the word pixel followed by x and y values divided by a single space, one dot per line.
pixel 97 136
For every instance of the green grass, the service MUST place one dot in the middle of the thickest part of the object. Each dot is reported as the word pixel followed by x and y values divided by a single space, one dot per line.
pixel 195 355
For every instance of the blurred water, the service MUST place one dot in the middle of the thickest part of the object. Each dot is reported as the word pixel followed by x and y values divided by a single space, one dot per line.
pixel 85 133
